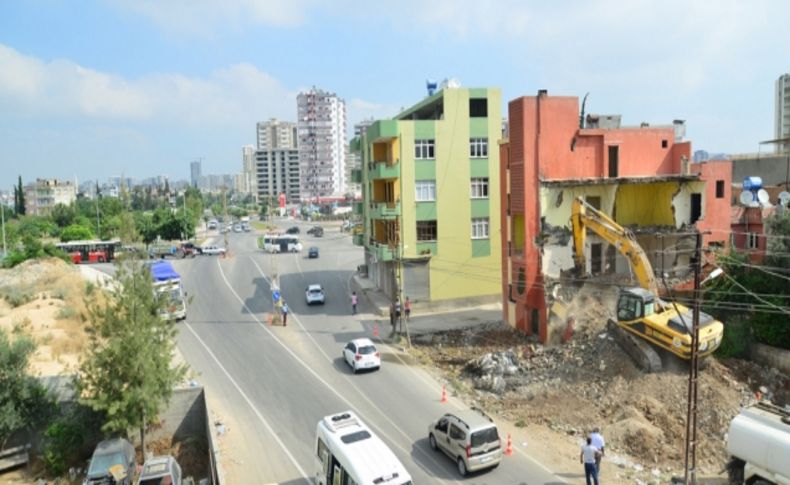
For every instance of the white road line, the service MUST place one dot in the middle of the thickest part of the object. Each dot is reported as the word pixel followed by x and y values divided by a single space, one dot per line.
pixel 252 406
pixel 324 382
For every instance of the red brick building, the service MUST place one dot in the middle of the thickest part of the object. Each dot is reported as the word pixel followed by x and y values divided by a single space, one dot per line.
pixel 640 176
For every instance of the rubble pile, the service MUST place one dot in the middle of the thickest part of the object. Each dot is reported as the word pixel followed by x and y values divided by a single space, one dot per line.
pixel 590 381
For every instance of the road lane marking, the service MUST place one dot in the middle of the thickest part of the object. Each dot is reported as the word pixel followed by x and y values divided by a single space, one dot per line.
pixel 340 396
pixel 252 406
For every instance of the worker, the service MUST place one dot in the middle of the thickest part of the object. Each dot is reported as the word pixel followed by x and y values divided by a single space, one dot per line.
pixel 588 456
pixel 284 311
pixel 598 442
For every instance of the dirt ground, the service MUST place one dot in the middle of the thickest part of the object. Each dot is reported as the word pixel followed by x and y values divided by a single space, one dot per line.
pixel 557 394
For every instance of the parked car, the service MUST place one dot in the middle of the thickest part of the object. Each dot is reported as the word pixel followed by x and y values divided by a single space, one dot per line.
pixel 312 252
pixel 246 227
pixel 314 294
pixel 293 230
pixel 469 437
pixel 362 354
pixel 316 231
pixel 160 470
pixel 212 224
pixel 237 228
pixel 113 461
pixel 212 250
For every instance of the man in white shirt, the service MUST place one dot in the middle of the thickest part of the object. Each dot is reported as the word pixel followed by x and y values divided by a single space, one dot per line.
pixel 588 456
pixel 598 442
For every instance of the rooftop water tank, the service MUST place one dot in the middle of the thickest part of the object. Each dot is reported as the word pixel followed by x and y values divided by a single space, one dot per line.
pixel 752 183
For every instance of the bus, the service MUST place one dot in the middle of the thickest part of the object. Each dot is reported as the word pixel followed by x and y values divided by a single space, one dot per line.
pixel 91 251
pixel 349 453
pixel 281 243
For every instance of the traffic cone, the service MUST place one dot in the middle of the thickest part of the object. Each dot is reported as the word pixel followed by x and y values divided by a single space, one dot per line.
pixel 444 395
pixel 509 447
pixel 376 329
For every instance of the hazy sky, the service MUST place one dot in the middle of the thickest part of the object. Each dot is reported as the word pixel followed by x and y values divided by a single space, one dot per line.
pixel 142 87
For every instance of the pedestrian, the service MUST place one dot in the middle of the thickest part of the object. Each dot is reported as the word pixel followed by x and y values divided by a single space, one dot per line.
pixel 392 315
pixel 598 442
pixel 588 456
pixel 407 308
pixel 284 311
pixel 353 302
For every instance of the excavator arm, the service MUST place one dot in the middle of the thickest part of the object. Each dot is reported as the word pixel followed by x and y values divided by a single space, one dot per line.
pixel 584 216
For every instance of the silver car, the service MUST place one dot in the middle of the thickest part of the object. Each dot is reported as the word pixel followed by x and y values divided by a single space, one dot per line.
pixel 469 437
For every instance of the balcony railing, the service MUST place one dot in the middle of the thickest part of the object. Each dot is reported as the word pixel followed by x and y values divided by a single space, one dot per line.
pixel 383 170
pixel 384 210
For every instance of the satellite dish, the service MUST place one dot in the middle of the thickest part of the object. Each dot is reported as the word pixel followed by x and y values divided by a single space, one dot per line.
pixel 784 198
pixel 763 197
pixel 746 198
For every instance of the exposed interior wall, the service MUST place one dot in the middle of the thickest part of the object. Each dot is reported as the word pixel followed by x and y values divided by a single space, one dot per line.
pixel 646 204
pixel 681 202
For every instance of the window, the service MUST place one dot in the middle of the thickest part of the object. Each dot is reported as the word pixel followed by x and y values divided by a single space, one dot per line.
pixel 478 107
pixel 456 433
pixel 425 190
pixel 720 189
pixel 480 228
pixel 664 144
pixel 426 230
pixel 478 147
pixel 480 188
pixel 424 149
pixel 752 240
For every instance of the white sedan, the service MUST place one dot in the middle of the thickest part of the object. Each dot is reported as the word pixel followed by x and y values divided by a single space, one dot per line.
pixel 362 354
pixel 212 250
pixel 314 294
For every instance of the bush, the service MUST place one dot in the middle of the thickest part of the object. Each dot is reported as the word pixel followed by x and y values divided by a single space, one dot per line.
pixel 76 232
pixel 736 340
pixel 65 438
pixel 16 295
pixel 66 312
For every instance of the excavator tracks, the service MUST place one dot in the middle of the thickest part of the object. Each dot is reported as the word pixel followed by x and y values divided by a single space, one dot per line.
pixel 643 354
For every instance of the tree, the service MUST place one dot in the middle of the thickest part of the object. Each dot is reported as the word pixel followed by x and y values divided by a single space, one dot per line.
pixel 24 402
pixel 127 373
pixel 63 215
pixel 20 209
pixel 127 231
pixel 76 232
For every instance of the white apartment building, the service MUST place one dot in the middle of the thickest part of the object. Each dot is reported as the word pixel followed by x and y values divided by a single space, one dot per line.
pixel 322 143
pixel 782 118
pixel 44 194
pixel 248 171
pixel 277 172
pixel 276 134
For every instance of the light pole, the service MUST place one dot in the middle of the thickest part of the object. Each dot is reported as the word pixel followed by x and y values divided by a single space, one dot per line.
pixel 2 215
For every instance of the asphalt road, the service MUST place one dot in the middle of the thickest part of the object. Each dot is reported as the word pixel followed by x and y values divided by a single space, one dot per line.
pixel 273 384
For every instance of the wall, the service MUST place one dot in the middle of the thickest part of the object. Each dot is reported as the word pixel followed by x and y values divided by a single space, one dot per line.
pixel 716 216
pixel 771 356
pixel 773 169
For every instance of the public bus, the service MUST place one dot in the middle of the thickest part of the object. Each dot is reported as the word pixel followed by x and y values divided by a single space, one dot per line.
pixel 281 243
pixel 349 453
pixel 91 251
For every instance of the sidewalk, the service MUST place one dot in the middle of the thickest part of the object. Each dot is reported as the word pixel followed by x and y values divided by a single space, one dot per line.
pixel 423 318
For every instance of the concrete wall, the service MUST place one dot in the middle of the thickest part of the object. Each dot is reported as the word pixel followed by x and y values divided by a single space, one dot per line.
pixel 773 169
pixel 771 356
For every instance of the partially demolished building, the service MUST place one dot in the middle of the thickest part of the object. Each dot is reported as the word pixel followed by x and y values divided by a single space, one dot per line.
pixel 640 176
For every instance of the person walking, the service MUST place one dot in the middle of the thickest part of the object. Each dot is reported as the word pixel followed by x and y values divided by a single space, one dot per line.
pixel 588 456
pixel 407 308
pixel 598 442
pixel 354 302
pixel 392 315
pixel 284 311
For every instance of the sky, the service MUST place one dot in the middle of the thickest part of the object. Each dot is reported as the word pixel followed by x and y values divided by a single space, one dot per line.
pixel 99 88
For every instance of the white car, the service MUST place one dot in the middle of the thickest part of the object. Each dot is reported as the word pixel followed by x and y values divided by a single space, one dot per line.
pixel 362 354
pixel 212 250
pixel 314 294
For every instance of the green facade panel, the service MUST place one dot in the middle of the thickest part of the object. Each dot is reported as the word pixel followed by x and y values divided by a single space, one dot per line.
pixel 424 170
pixel 425 211
pixel 481 208
pixel 382 129
pixel 479 167
pixel 478 128
pixel 425 248
pixel 481 248
pixel 478 92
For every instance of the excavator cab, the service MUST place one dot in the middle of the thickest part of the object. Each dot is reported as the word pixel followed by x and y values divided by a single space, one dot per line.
pixel 635 304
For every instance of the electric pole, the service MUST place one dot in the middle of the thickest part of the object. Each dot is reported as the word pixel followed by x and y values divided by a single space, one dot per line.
pixel 691 415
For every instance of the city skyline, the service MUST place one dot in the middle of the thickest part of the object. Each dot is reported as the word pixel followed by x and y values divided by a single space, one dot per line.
pixel 145 88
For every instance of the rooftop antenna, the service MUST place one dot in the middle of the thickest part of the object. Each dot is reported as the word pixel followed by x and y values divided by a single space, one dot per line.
pixel 581 116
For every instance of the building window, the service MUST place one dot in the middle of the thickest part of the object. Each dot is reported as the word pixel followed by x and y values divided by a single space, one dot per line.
pixel 664 144
pixel 480 188
pixel 720 189
pixel 480 228
pixel 426 230
pixel 425 190
pixel 478 107
pixel 424 149
pixel 752 240
pixel 478 147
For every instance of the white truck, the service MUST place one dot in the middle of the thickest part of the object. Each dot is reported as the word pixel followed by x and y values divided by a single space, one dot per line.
pixel 167 285
pixel 759 445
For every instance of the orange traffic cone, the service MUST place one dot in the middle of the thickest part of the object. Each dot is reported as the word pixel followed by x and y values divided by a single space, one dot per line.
pixel 444 395
pixel 376 329
pixel 509 447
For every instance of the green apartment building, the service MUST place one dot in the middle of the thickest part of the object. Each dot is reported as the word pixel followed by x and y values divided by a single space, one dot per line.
pixel 431 206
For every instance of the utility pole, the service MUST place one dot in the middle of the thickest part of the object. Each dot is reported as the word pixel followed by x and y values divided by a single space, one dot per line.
pixel 691 415
pixel 2 214
pixel 400 280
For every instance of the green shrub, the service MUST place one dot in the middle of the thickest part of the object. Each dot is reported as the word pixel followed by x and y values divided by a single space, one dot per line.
pixel 62 439
pixel 17 295
pixel 736 340
pixel 66 312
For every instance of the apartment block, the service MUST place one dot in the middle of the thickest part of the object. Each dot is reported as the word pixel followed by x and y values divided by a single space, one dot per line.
pixel 430 185
pixel 640 176
pixel 249 176
pixel 782 113
pixel 274 133
pixel 42 195
pixel 277 172
pixel 322 143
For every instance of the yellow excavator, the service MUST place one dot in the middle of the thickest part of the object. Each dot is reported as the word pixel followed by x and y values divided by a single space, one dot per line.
pixel 641 315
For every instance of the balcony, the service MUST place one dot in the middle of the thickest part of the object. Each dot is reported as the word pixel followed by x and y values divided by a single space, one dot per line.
pixel 358 208
pixel 381 252
pixel 384 210
pixel 382 170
